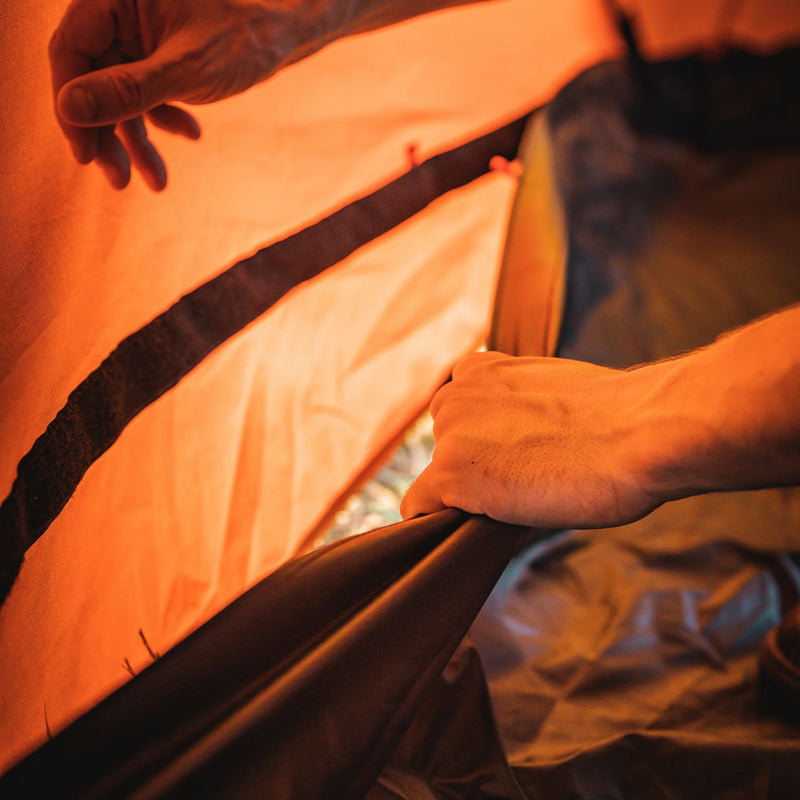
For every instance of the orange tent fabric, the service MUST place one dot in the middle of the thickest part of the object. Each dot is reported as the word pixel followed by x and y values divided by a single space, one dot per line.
pixel 228 474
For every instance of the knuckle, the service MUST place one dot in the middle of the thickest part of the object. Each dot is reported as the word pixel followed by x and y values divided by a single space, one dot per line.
pixel 440 428
pixel 126 88
pixel 481 369
pixel 494 366
pixel 442 396
pixel 464 365
pixel 55 45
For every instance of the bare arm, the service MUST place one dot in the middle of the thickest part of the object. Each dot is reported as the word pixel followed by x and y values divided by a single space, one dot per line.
pixel 117 63
pixel 737 424
pixel 562 444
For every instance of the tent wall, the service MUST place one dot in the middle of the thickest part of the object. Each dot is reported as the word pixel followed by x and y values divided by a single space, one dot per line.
pixel 226 475
pixel 260 701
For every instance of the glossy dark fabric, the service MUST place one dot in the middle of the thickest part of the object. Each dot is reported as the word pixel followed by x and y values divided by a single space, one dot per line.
pixel 302 688
pixel 452 749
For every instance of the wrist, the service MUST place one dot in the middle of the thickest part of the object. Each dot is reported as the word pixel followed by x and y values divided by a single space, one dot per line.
pixel 283 33
pixel 723 417
pixel 676 441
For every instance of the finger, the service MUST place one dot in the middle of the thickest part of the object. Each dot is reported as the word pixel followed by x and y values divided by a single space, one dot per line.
pixel 422 496
pixel 113 157
pixel 441 397
pixel 64 66
pixel 143 154
pixel 85 32
pixel 468 397
pixel 476 361
pixel 175 120
pixel 124 91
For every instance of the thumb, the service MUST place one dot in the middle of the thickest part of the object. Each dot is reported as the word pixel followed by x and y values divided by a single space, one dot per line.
pixel 116 93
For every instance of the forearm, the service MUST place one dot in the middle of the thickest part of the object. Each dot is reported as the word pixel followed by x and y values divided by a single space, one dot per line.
pixel 365 15
pixel 726 417
pixel 563 444
pixel 288 31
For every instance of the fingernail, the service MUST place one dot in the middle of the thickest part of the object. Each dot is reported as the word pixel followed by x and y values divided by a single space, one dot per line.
pixel 82 104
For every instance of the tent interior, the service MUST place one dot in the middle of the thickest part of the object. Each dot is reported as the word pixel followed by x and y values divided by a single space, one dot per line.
pixel 193 383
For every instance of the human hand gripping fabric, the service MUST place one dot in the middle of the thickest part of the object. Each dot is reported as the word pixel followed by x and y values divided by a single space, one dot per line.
pixel 117 64
pixel 553 443
pixel 543 442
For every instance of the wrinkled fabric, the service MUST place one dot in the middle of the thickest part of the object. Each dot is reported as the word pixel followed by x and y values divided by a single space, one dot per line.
pixel 301 688
pixel 234 469
pixel 624 662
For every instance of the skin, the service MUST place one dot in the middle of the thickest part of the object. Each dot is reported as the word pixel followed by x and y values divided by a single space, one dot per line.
pixel 120 65
pixel 554 443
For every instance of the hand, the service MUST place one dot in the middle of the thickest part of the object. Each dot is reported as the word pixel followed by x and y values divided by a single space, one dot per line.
pixel 117 63
pixel 542 442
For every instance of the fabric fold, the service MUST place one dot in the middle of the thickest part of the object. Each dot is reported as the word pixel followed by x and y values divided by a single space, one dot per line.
pixel 301 688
